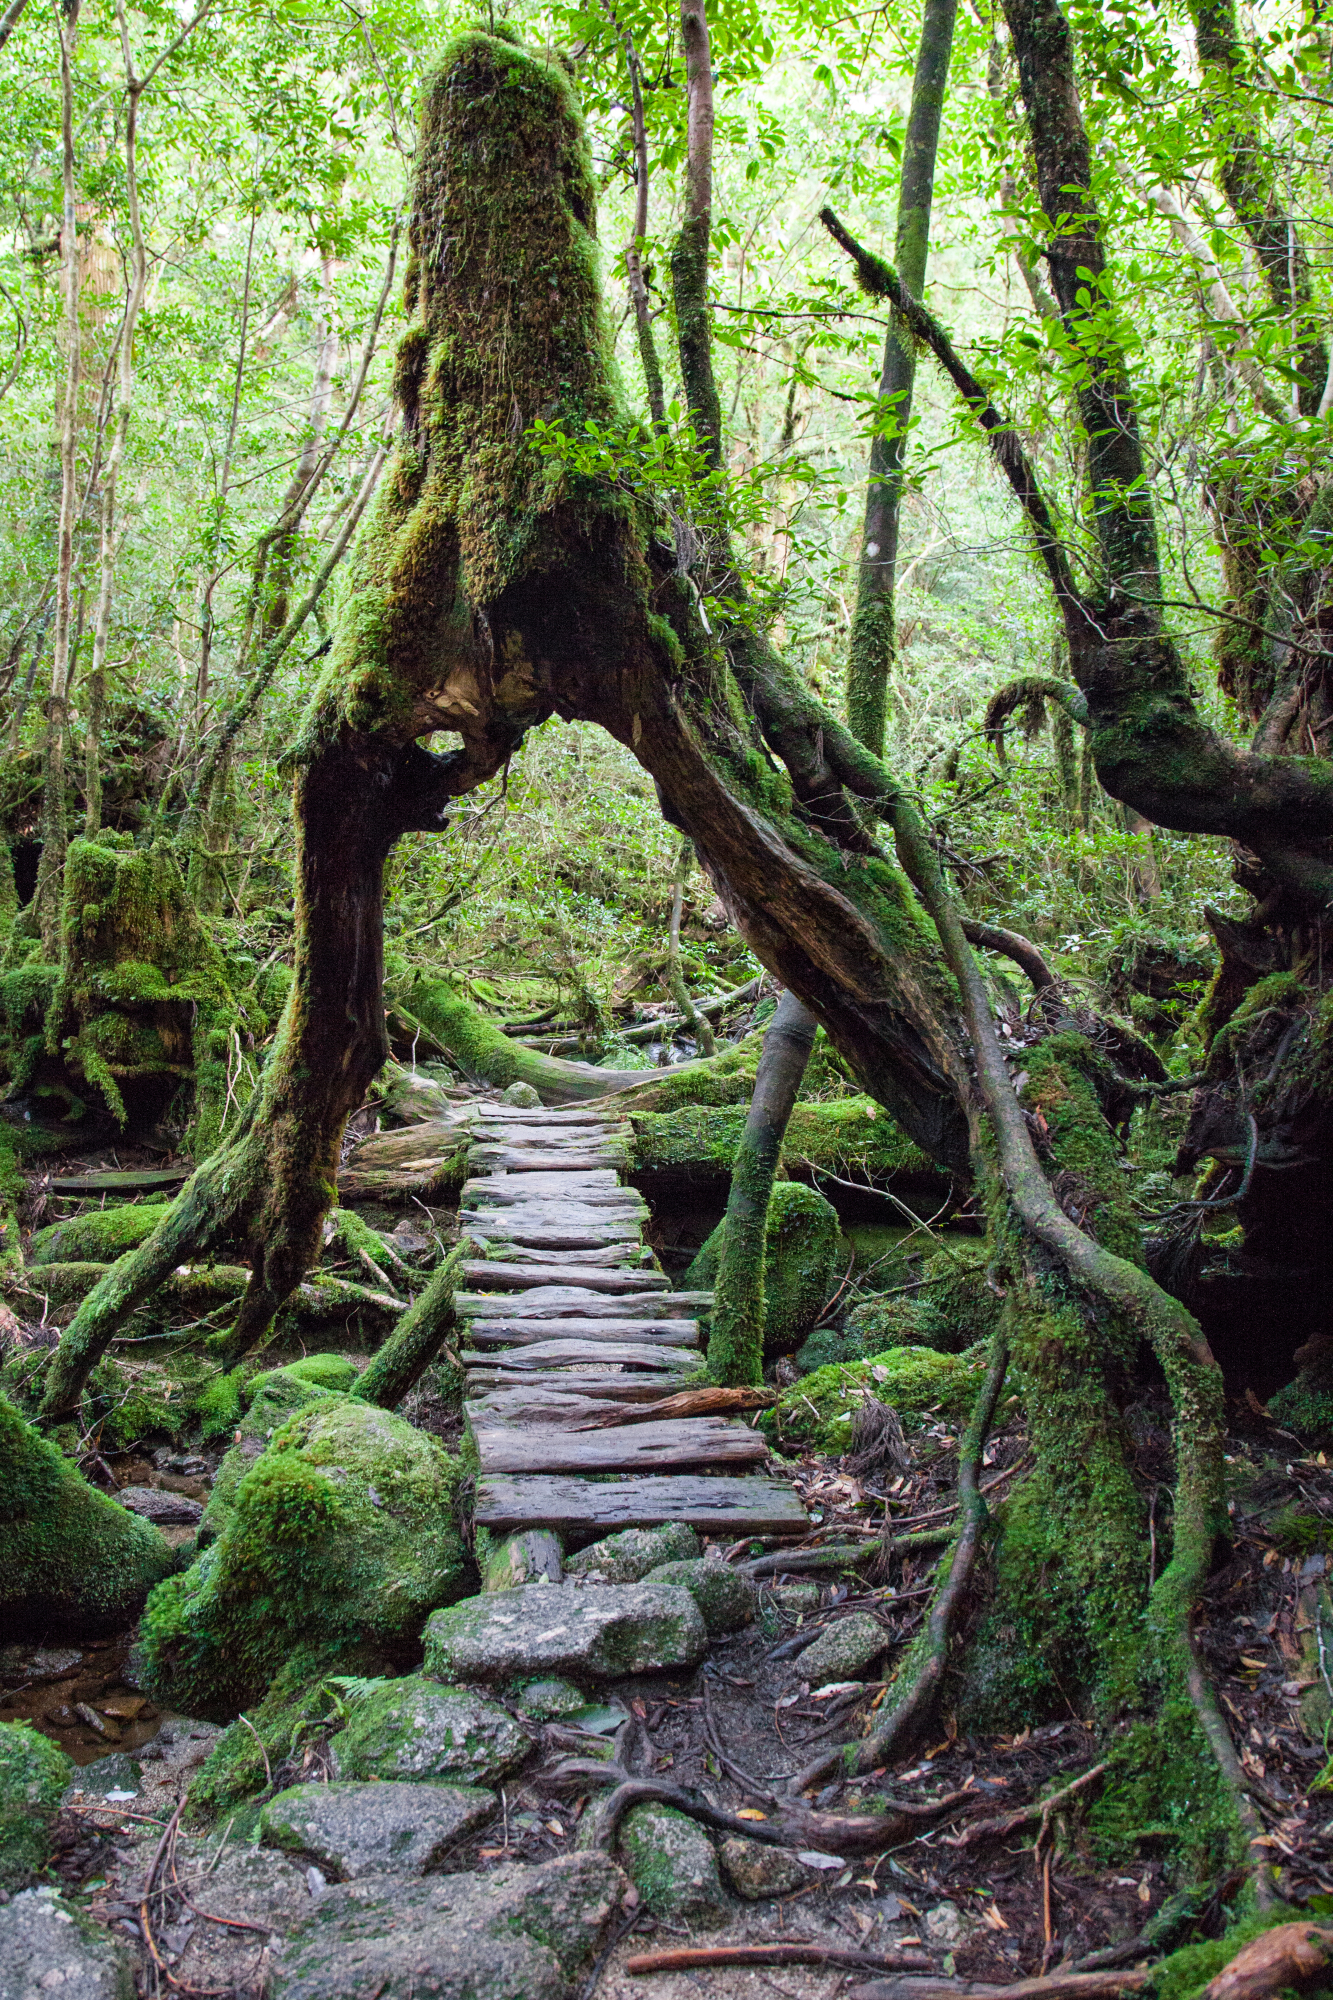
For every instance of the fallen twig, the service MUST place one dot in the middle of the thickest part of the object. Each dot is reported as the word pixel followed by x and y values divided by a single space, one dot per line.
pixel 1005 1823
pixel 1057 1986
pixel 687 1958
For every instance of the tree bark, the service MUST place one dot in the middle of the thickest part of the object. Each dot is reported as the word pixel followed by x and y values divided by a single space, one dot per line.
pixel 50 879
pixel 873 640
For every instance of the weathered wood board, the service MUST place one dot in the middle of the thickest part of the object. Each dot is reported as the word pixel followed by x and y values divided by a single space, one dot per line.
pixel 737 1506
pixel 527 1332
pixel 644 1448
pixel 579 1353
pixel 522 1277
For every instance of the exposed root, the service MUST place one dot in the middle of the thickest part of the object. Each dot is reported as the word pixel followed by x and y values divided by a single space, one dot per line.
pixel 911 1712
pixel 1291 1957
pixel 1057 1986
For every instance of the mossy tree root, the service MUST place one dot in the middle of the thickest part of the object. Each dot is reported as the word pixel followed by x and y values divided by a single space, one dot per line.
pixel 736 1339
pixel 925 1670
pixel 416 1340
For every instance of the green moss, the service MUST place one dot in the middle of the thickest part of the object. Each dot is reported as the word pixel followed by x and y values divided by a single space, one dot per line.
pixel 1298 1532
pixel 297 1702
pixel 98 1237
pixel 854 1138
pixel 342 1534
pixel 800 1245
pixel 1305 1405
pixel 216 1405
pixel 123 1407
pixel 323 1371
pixel 71 1561
pixel 1163 1793
pixel 818 1411
pixel 34 1775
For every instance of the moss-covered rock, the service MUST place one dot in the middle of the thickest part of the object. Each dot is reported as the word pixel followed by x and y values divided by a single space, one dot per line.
pixel 274 1397
pixel 71 1561
pixel 1305 1405
pixel 953 1309
pixel 351 1830
pixel 829 1346
pixel 343 1533
pixel 628 1556
pixel 98 1237
pixel 799 1255
pixel 603 1630
pixel 671 1862
pixel 818 1411
pixel 414 1729
pixel 123 1406
pixel 726 1599
pixel 299 1707
pixel 853 1137
pixel 322 1371
pixel 33 1778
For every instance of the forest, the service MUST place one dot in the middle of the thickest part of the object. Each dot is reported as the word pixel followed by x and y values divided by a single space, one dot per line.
pixel 666 1069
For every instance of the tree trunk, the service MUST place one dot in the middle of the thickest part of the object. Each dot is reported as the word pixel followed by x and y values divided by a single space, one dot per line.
pixel 50 879
pixel 870 660
pixel 736 1338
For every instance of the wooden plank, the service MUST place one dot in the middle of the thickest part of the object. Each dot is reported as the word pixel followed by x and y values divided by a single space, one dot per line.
pixel 522 1277
pixel 596 1186
pixel 635 1448
pixel 513 1160
pixel 573 1139
pixel 736 1506
pixel 544 1114
pixel 580 1353
pixel 556 1302
pixel 526 1405
pixel 528 1332
pixel 128 1180
pixel 606 1257
pixel 585 1235
pixel 597 1388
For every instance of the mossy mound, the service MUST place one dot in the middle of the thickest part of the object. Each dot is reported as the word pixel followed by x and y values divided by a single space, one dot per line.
pixel 853 1137
pixel 71 1561
pixel 99 1237
pixel 33 1778
pixel 1305 1405
pixel 122 1407
pixel 342 1534
pixel 273 1398
pixel 321 1371
pixel 818 1411
pixel 799 1254
pixel 953 1309
pixel 298 1703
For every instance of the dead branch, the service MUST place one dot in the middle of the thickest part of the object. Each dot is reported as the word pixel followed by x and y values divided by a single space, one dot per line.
pixel 1005 1823
pixel 688 1958
pixel 1057 1986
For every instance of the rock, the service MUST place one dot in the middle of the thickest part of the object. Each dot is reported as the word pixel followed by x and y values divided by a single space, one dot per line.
pixel 514 1933
pixel 799 1253
pixel 522 1094
pixel 727 1599
pixel 843 1650
pixel 524 1558
pixel 946 1924
pixel 70 1559
pixel 755 1871
pixel 548 1700
pixel 163 1509
pixel 628 1556
pixel 414 1728
pixel 33 1778
pixel 29 1666
pixel 670 1860
pixel 46 1953
pixel 603 1629
pixel 117 1773
pixel 795 1599
pixel 350 1830
pixel 343 1537
pixel 274 1397
pixel 259 1885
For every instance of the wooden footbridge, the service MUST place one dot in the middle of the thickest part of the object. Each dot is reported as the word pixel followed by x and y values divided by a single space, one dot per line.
pixel 574 1339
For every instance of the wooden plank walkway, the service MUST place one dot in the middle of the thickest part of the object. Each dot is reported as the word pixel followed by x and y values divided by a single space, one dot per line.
pixel 569 1319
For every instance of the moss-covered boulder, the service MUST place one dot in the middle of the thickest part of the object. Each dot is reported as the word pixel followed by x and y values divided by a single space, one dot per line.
pixel 819 1410
pixel 351 1830
pixel 342 1534
pixel 671 1862
pixel 726 1599
pixel 628 1556
pixel 33 1778
pixel 1305 1405
pixel 323 1371
pixel 71 1561
pixel 799 1255
pixel 414 1729
pixel 853 1137
pixel 272 1398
